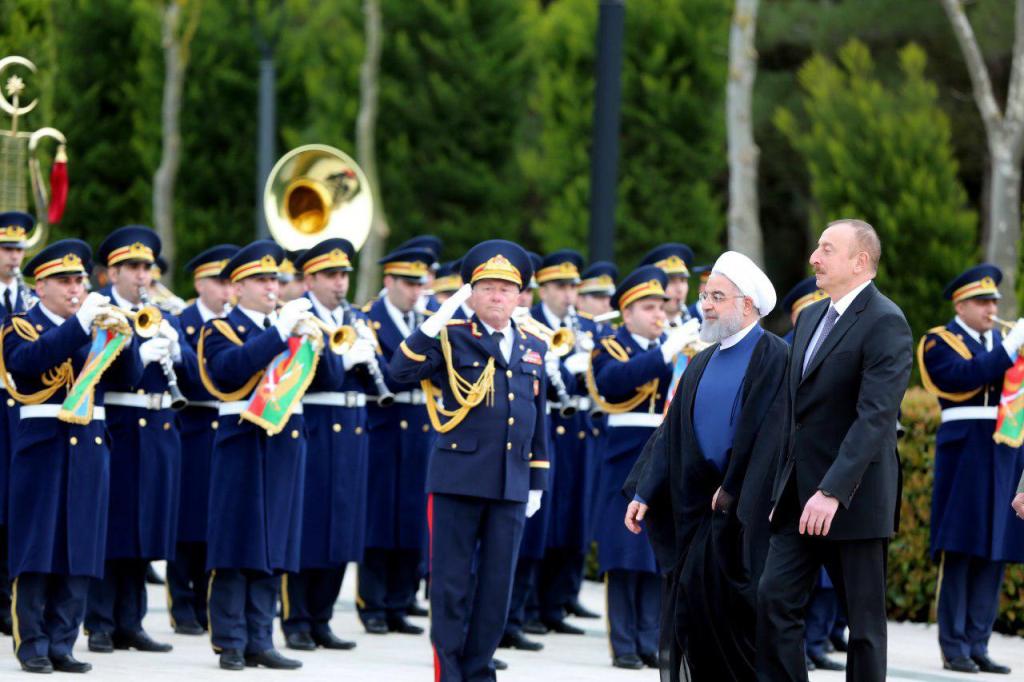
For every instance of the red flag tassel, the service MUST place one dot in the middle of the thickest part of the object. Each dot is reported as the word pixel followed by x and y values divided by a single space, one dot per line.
pixel 58 186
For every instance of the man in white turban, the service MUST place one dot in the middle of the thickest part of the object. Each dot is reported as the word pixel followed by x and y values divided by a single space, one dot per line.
pixel 702 485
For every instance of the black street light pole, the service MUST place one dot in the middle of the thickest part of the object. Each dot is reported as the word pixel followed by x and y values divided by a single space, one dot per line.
pixel 605 155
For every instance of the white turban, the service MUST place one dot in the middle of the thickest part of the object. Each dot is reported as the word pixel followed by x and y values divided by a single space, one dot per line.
pixel 748 278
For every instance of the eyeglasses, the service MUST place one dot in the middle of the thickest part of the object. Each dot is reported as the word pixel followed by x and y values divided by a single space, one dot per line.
pixel 716 297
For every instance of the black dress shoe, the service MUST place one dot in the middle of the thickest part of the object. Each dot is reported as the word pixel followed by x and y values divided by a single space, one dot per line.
pixel 961 664
pixel 823 662
pixel 300 641
pixel 535 627
pixel 141 641
pixel 376 626
pixel 839 643
pixel 232 659
pixel 189 628
pixel 499 664
pixel 987 665
pixel 629 662
pixel 38 664
pixel 809 664
pixel 517 640
pixel 271 658
pixel 152 577
pixel 417 611
pixel 328 640
pixel 403 627
pixel 101 643
pixel 575 608
pixel 650 660
pixel 563 628
pixel 70 664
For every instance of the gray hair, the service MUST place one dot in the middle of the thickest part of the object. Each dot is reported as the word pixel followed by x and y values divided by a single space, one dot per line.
pixel 865 239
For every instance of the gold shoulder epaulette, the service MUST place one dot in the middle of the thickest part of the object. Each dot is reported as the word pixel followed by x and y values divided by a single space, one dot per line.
pixel 24 328
pixel 533 332
pixel 224 328
pixel 585 316
pixel 427 313
pixel 455 323
pixel 928 342
pixel 615 349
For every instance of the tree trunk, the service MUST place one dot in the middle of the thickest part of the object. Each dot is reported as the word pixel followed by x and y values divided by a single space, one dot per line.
pixel 366 152
pixel 744 232
pixel 1004 226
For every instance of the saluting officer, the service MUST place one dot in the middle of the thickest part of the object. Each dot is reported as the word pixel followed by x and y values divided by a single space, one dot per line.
pixel 632 372
pixel 14 228
pixel 59 474
pixel 186 572
pixel 489 466
pixel 334 509
pixel 573 475
pixel 675 260
pixel 973 533
pixel 256 480
pixel 400 439
pixel 145 457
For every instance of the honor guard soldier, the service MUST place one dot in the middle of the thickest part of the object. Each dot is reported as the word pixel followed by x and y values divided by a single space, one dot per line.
pixel 973 533
pixel 489 466
pixel 256 480
pixel 447 280
pixel 334 409
pixel 59 473
pixel 145 456
pixel 186 572
pixel 674 260
pixel 595 294
pixel 400 440
pixel 14 228
pixel 631 375
pixel 428 301
pixel 573 475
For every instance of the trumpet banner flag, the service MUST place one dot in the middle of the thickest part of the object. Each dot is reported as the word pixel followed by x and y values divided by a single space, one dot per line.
pixel 283 384
pixel 106 345
pixel 1010 423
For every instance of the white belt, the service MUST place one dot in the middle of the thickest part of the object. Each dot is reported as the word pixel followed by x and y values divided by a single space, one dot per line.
pixel 415 397
pixel 956 414
pixel 580 402
pixel 145 401
pixel 50 411
pixel 335 398
pixel 238 407
pixel 635 419
pixel 212 404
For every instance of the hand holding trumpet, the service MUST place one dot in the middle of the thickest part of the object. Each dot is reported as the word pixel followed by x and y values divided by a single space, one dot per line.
pixel 1014 333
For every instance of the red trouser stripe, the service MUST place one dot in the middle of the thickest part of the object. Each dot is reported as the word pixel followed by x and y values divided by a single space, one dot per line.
pixel 430 564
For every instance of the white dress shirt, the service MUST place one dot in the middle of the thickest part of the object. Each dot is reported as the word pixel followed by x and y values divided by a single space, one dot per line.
pixel 507 339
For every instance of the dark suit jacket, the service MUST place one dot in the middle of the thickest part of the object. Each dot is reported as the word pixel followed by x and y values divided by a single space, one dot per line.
pixel 843 416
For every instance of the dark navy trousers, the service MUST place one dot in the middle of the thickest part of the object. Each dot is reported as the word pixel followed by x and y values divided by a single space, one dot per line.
pixel 242 608
pixel 388 581
pixel 968 603
pixel 634 612
pixel 48 611
pixel 187 583
pixel 307 599
pixel 117 602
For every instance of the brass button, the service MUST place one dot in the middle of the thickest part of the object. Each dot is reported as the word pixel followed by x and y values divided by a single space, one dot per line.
pixel 508 445
pixel 10 402
pixel 455 446
pixel 99 441
pixel 141 391
pixel 39 327
pixel 214 424
pixel 511 396
pixel 508 373
pixel 337 428
pixel 241 328
pixel 560 430
pixel 511 421
pixel 295 433
pixel 596 431
pixel 522 347
pixel 190 330
pixel 476 364
pixel 142 421
pixel 530 456
pixel 73 440
pixel 582 435
pixel 167 426
pixel 359 430
pixel 426 428
pixel 403 425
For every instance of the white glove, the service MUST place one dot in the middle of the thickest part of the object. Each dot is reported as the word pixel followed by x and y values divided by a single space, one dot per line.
pixel 171 334
pixel 679 338
pixel 1012 342
pixel 533 502
pixel 578 363
pixel 520 313
pixel 92 305
pixel 154 350
pixel 290 315
pixel 552 365
pixel 304 327
pixel 432 325
pixel 362 352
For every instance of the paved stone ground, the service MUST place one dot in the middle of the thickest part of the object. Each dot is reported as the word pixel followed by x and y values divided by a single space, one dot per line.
pixel 913 655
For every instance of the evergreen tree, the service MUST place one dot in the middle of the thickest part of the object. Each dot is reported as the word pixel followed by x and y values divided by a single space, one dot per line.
pixel 884 154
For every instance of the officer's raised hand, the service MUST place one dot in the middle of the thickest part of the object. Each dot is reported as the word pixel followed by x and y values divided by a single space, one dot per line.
pixel 432 325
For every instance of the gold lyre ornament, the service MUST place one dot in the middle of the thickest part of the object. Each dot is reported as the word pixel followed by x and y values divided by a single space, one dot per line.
pixel 19 154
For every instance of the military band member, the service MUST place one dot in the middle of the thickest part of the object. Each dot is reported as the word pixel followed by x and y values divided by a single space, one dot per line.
pixel 292 286
pixel 256 480
pixel 145 457
pixel 400 439
pixel 675 260
pixel 334 408
pixel 973 534
pixel 631 373
pixel 702 273
pixel 595 293
pixel 14 228
pixel 433 244
pixel 574 468
pixel 186 572
pixel 489 465
pixel 59 474
pixel 447 280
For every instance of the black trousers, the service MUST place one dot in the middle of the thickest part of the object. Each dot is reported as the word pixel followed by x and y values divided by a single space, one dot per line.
pixel 857 568
pixel 117 602
pixel 307 599
pixel 187 583
pixel 559 581
pixel 388 581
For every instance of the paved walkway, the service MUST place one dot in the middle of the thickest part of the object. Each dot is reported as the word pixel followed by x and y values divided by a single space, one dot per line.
pixel 913 655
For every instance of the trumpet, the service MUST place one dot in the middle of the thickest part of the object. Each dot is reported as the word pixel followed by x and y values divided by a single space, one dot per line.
pixel 1001 323
pixel 339 339
pixel 385 397
pixel 148 318
pixel 145 322
pixel 581 342
pixel 561 342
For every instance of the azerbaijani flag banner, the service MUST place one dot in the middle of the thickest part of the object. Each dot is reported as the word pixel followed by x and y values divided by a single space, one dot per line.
pixel 284 383
pixel 106 345
pixel 1010 423
pixel 682 360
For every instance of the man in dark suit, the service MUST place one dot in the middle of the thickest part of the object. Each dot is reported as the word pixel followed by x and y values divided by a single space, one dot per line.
pixel 835 496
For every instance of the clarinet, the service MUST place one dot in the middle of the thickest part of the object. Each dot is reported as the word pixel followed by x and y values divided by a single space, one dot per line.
pixel 385 397
pixel 28 297
pixel 178 400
